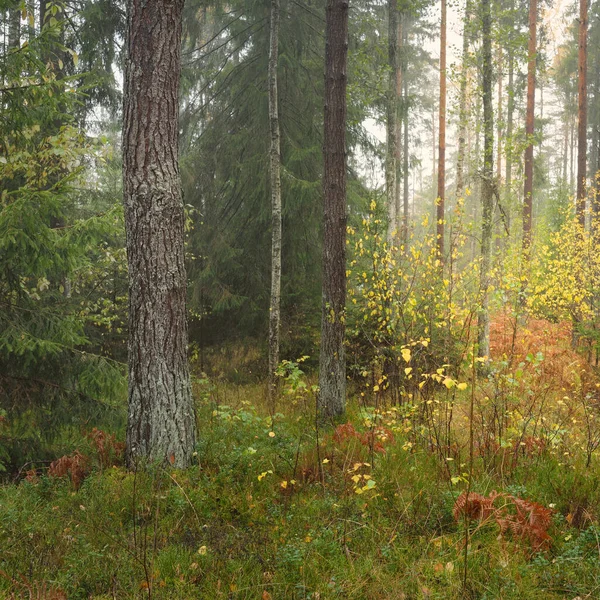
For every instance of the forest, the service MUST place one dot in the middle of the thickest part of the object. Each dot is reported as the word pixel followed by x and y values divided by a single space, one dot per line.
pixel 300 299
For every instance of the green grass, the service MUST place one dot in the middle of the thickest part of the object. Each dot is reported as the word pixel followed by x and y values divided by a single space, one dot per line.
pixel 223 530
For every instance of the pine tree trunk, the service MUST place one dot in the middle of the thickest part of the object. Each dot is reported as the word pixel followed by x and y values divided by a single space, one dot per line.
pixel 462 107
pixel 161 421
pixel 510 110
pixel 441 183
pixel 487 200
pixel 529 128
pixel 582 113
pixel 405 156
pixel 399 120
pixel 275 177
pixel 391 167
pixel 572 156
pixel 332 361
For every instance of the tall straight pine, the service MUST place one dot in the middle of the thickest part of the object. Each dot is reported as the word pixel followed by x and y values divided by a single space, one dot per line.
pixel 332 362
pixel 529 129
pixel 160 421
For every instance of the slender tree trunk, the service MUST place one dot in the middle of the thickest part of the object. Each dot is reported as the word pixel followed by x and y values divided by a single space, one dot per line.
pixel 477 195
pixel 399 119
pixel 529 128
pixel 499 121
pixel 441 184
pixel 14 27
pixel 565 165
pixel 391 168
pixel 332 361
pixel 582 112
pixel 510 110
pixel 275 177
pixel 487 201
pixel 434 149
pixel 462 107
pixel 161 422
pixel 406 165
pixel 572 155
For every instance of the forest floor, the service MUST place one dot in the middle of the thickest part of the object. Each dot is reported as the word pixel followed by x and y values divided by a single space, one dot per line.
pixel 276 508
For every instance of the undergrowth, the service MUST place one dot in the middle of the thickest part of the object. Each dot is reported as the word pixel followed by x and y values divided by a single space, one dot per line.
pixel 276 507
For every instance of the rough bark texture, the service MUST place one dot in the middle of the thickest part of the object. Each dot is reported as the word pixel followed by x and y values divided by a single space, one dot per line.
pixel 391 168
pixel 582 112
pixel 332 363
pixel 462 108
pixel 487 198
pixel 161 421
pixel 275 177
pixel 529 128
pixel 441 183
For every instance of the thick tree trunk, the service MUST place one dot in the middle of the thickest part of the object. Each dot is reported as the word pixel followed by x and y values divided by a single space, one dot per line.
pixel 441 183
pixel 582 113
pixel 275 177
pixel 161 421
pixel 510 110
pixel 332 362
pixel 391 168
pixel 529 128
pixel 462 107
pixel 487 200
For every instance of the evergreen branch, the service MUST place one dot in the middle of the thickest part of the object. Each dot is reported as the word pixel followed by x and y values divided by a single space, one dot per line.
pixel 215 36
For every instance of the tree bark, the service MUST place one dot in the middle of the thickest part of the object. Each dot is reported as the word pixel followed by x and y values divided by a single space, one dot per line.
pixel 392 120
pixel 275 180
pixel 399 120
pixel 487 183
pixel 462 107
pixel 406 164
pixel 529 128
pixel 14 27
pixel 441 183
pixel 582 113
pixel 404 120
pixel 161 421
pixel 332 361
pixel 500 59
pixel 510 110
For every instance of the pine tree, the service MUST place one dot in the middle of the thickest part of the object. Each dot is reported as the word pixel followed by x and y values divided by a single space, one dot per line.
pixel 161 422
pixel 529 128
pixel 582 113
pixel 441 183
pixel 332 362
